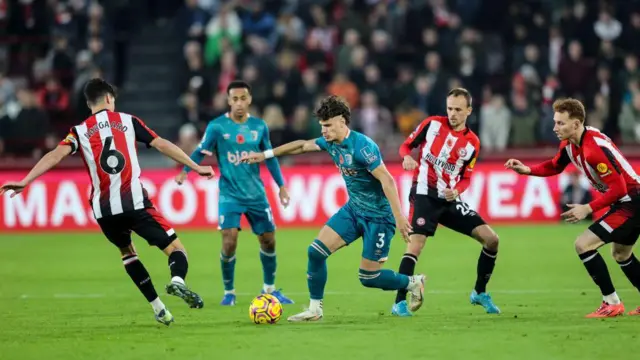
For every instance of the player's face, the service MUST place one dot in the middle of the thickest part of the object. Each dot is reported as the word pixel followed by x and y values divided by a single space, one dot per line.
pixel 239 101
pixel 564 126
pixel 333 129
pixel 457 111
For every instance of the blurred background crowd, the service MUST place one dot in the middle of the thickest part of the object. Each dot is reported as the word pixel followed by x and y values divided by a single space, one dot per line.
pixel 393 60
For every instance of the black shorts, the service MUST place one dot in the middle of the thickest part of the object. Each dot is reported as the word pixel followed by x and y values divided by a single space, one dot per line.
pixel 148 223
pixel 426 212
pixel 620 225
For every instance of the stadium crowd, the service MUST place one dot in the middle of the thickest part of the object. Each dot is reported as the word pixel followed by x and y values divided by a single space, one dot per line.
pixel 393 60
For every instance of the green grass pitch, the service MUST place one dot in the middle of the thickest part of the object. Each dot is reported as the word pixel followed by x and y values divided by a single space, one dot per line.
pixel 67 296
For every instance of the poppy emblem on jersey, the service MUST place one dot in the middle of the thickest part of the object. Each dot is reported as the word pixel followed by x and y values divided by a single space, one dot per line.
pixel 449 143
pixel 341 159
pixel 462 152
pixel 602 168
pixel 240 139
pixel 420 221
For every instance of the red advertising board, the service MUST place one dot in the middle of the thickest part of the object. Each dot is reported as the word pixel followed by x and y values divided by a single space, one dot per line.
pixel 58 200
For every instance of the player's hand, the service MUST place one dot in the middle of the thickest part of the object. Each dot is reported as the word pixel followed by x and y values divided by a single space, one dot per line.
pixel 517 166
pixel 252 158
pixel 16 187
pixel 284 197
pixel 405 228
pixel 450 195
pixel 206 171
pixel 181 177
pixel 576 213
pixel 408 163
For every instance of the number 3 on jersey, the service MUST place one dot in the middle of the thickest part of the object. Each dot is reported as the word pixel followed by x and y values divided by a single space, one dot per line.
pixel 111 160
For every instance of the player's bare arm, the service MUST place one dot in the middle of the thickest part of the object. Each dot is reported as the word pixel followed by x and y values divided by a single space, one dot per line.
pixel 174 152
pixel 48 161
pixel 517 166
pixel 391 192
pixel 293 148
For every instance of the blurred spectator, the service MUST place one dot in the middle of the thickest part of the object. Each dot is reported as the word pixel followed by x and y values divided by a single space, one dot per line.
pixel 192 20
pixel 188 138
pixel 524 121
pixel 341 86
pixel 23 127
pixel 495 124
pixel 607 28
pixel 224 32
pixel 372 119
pixel 575 193
pixel 630 121
pixel 258 22
pixel 53 97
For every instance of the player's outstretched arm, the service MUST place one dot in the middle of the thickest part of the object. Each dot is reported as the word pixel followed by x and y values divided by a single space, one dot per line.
pixel 517 166
pixel 293 148
pixel 169 149
pixel 48 161
pixel 391 192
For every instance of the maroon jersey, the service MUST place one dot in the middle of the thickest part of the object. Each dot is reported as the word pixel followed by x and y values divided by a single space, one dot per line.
pixel 601 162
pixel 447 156
pixel 107 143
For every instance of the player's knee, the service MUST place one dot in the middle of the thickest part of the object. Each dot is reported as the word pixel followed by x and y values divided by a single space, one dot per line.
pixel 267 241
pixel 416 245
pixel 491 241
pixel 229 243
pixel 369 279
pixel 620 255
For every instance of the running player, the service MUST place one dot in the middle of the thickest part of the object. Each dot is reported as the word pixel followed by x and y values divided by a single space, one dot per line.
pixel 448 153
pixel 241 189
pixel 373 204
pixel 611 174
pixel 107 142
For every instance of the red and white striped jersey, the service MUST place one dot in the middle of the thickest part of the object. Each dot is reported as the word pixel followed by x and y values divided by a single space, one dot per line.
pixel 107 142
pixel 601 162
pixel 447 157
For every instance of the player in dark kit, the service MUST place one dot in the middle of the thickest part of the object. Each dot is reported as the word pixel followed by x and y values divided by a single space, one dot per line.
pixel 611 174
pixel 107 142
pixel 448 153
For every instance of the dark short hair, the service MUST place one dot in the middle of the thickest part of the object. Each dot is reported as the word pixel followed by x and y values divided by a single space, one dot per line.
pixel 455 92
pixel 573 107
pixel 238 84
pixel 97 88
pixel 333 106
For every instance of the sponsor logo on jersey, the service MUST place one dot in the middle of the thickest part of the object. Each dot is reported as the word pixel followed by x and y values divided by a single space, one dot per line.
pixel 369 156
pixel 440 163
pixel 234 158
pixel 226 136
pixel 602 168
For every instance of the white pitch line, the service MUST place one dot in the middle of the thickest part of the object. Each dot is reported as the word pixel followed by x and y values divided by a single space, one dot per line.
pixel 333 293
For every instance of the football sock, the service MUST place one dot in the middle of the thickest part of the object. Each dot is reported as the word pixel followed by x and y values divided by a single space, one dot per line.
pixel 140 276
pixel 383 279
pixel 407 267
pixel 268 260
pixel 631 268
pixel 178 265
pixel 597 269
pixel 317 269
pixel 228 265
pixel 157 305
pixel 486 263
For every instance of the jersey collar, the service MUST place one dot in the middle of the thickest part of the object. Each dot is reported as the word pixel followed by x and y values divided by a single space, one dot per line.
pixel 584 133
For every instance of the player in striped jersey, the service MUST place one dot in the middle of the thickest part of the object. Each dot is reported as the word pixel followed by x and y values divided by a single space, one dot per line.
pixel 107 143
pixel 611 174
pixel 447 153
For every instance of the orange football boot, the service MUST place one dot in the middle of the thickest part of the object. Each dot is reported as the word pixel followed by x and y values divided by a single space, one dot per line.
pixel 635 312
pixel 607 310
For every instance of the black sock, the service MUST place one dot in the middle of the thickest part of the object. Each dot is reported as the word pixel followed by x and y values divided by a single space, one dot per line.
pixel 178 264
pixel 140 276
pixel 631 268
pixel 486 263
pixel 407 266
pixel 598 270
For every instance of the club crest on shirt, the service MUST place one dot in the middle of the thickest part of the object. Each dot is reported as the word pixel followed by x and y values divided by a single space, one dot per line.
pixel 602 168
pixel 462 152
pixel 348 159
pixel 254 135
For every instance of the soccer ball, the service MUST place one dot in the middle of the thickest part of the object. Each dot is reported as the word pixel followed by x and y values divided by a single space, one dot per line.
pixel 265 309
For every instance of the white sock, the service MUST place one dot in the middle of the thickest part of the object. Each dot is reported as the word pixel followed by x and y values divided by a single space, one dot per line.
pixel 178 280
pixel 157 305
pixel 230 292
pixel 268 288
pixel 315 305
pixel 611 299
